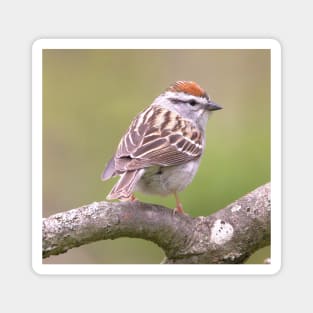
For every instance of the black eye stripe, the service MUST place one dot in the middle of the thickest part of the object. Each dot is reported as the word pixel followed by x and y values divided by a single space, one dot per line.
pixel 174 100
pixel 192 102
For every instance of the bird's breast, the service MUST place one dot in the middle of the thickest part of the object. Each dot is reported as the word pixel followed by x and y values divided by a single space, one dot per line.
pixel 167 180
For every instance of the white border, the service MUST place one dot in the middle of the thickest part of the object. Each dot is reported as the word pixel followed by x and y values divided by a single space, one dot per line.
pixel 162 269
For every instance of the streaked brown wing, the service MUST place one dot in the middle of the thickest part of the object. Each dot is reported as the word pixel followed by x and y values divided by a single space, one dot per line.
pixel 170 141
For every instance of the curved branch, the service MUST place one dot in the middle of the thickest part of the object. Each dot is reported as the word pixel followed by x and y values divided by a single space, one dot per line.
pixel 230 235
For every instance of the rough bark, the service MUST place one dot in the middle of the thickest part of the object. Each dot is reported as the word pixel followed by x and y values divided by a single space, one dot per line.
pixel 230 235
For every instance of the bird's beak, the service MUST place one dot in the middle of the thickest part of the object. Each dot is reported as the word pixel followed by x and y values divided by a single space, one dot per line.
pixel 212 106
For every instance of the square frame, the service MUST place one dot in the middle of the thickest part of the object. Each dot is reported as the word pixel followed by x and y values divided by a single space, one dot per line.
pixel 156 269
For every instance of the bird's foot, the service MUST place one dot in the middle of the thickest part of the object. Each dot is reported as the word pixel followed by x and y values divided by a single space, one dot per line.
pixel 132 198
pixel 178 209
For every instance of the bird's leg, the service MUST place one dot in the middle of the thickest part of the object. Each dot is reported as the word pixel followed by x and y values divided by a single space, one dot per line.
pixel 179 206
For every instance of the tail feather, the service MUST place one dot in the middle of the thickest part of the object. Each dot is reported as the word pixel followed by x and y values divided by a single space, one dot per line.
pixel 123 189
pixel 109 170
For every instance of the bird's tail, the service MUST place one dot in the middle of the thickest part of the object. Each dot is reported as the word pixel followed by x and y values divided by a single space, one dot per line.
pixel 124 188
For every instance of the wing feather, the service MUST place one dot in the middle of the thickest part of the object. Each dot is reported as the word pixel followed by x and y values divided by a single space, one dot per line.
pixel 153 138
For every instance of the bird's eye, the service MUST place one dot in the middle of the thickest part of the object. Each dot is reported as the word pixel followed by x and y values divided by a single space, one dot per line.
pixel 192 102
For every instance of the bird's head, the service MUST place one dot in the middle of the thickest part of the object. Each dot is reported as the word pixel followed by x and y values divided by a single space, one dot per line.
pixel 189 100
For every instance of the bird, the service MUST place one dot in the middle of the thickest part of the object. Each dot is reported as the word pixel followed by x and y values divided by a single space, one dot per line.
pixel 161 151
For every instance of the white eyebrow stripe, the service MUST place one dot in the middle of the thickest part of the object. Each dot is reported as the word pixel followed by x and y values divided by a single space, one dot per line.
pixel 183 97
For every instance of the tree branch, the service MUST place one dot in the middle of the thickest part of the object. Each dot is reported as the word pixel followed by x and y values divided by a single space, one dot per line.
pixel 230 235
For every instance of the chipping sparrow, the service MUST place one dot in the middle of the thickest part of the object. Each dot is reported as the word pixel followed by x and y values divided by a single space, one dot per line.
pixel 161 150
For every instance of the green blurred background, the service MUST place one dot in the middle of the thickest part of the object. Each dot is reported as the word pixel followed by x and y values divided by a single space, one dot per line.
pixel 89 100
